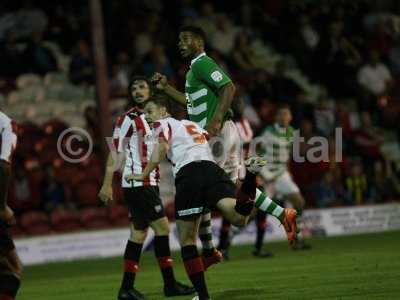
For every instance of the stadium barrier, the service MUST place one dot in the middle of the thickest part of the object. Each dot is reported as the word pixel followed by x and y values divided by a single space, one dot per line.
pixel 109 243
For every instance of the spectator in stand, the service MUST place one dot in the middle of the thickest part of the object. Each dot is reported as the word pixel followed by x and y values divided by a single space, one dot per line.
pixel 145 39
pixel 38 58
pixel 81 68
pixel 394 58
pixel 207 18
pixel 375 79
pixel 24 193
pixel 384 184
pixel 11 56
pixel 337 60
pixel 357 185
pixel 30 19
pixel 326 192
pixel 53 192
pixel 242 54
pixel 324 115
pixel 284 89
pixel 121 71
pixel 224 37
pixel 368 140
pixel 157 61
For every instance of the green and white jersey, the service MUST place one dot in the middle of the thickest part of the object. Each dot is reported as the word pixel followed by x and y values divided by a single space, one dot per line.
pixel 277 148
pixel 203 81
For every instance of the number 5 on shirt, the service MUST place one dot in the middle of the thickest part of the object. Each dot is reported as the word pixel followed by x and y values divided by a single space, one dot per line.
pixel 198 137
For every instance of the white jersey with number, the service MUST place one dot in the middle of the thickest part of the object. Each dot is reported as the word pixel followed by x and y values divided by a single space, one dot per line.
pixel 187 141
pixel 8 137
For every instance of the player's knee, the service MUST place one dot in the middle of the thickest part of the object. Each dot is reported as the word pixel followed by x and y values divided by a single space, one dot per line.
pixel 298 201
pixel 160 226
pixel 162 230
pixel 239 220
pixel 138 236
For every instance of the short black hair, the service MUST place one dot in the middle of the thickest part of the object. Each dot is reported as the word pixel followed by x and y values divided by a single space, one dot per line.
pixel 195 30
pixel 133 80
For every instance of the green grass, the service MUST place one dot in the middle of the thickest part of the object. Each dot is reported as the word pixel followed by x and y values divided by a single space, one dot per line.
pixel 352 267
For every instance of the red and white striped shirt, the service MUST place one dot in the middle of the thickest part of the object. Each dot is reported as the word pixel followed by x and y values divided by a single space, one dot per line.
pixel 133 135
pixel 8 137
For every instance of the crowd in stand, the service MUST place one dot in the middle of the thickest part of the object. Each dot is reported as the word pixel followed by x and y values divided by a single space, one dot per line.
pixel 337 63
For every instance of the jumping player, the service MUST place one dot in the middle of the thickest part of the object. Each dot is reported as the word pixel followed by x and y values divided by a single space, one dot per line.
pixel 200 184
pixel 208 96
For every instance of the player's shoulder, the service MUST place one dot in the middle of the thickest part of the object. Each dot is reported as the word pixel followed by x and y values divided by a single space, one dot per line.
pixel 202 61
pixel 131 114
pixel 270 129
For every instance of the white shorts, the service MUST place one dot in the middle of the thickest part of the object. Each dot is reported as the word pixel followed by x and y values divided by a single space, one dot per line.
pixel 230 159
pixel 282 186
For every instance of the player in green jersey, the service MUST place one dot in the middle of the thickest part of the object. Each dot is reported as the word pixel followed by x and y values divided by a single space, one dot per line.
pixel 208 96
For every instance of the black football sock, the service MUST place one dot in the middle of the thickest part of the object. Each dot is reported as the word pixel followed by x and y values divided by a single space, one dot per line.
pixel 131 264
pixel 163 254
pixel 195 270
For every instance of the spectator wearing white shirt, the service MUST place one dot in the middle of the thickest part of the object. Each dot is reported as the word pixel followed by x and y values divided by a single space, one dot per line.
pixel 375 77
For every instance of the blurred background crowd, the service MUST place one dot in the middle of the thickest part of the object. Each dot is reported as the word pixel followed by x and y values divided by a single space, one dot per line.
pixel 337 63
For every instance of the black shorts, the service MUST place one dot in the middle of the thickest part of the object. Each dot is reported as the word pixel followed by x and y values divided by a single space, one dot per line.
pixel 199 186
pixel 6 242
pixel 144 205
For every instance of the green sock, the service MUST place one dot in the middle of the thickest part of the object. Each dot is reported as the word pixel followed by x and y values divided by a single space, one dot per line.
pixel 266 204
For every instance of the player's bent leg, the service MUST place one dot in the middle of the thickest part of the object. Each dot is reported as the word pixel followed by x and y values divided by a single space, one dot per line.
pixel 132 255
pixel 211 255
pixel 287 216
pixel 188 231
pixel 162 252
pixel 228 208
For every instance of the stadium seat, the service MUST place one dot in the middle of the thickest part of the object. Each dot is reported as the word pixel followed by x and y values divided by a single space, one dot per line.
pixel 35 223
pixel 16 231
pixel 118 215
pixel 86 192
pixel 63 220
pixel 94 218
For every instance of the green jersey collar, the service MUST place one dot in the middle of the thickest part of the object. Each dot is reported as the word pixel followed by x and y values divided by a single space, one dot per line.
pixel 197 58
pixel 280 129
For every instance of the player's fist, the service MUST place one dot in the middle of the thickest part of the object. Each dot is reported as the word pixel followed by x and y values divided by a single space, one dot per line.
pixel 213 128
pixel 159 80
pixel 106 193
pixel 7 215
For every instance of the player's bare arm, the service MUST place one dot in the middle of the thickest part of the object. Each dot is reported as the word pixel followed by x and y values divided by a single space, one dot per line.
pixel 159 152
pixel 226 94
pixel 106 193
pixel 162 84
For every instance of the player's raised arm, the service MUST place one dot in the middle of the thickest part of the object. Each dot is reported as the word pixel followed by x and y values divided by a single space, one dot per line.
pixel 162 84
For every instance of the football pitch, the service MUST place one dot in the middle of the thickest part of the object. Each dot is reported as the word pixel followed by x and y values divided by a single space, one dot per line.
pixel 351 267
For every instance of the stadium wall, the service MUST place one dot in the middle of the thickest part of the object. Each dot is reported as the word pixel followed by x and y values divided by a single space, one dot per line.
pixel 108 243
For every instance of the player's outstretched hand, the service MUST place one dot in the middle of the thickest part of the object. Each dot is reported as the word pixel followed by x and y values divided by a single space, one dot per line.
pixel 106 194
pixel 136 177
pixel 7 215
pixel 213 128
pixel 159 80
